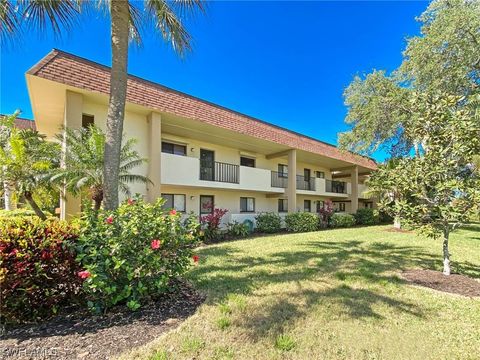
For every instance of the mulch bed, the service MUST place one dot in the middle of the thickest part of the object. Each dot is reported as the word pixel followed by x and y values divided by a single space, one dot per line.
pixel 454 283
pixel 81 335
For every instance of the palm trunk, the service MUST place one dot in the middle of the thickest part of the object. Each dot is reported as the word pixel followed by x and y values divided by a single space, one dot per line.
pixel 8 196
pixel 33 204
pixel 119 12
pixel 446 254
pixel 97 197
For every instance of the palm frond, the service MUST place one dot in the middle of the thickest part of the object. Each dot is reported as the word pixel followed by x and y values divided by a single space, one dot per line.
pixel 57 14
pixel 9 20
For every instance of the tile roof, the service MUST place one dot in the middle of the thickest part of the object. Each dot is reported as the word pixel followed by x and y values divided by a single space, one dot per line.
pixel 24 123
pixel 81 73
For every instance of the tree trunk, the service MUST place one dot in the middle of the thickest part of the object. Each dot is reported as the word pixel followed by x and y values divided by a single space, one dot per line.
pixel 446 254
pixel 97 197
pixel 119 12
pixel 33 204
pixel 8 196
pixel 397 223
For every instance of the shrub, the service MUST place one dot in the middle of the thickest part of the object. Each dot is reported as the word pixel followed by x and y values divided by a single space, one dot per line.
pixel 367 216
pixel 342 220
pixel 268 223
pixel 326 213
pixel 132 254
pixel 301 222
pixel 211 224
pixel 16 213
pixel 38 271
pixel 236 229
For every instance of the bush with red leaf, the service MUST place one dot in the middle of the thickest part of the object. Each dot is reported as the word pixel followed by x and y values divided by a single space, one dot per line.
pixel 211 224
pixel 38 271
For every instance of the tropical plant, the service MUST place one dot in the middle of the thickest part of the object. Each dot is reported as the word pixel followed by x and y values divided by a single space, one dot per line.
pixel 26 161
pixel 210 223
pixel 38 271
pixel 236 229
pixel 83 164
pixel 126 20
pixel 133 253
pixel 325 213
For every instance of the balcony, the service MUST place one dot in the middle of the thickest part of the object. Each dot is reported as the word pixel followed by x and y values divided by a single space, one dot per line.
pixel 333 186
pixel 280 180
pixel 219 172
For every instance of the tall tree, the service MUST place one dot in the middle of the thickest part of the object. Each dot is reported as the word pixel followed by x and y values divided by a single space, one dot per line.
pixel 84 159
pixel 127 21
pixel 444 59
pixel 440 187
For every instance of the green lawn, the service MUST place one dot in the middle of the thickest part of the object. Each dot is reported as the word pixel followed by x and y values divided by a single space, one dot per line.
pixel 332 294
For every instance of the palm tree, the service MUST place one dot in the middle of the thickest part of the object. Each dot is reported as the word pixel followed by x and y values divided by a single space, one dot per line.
pixel 84 159
pixel 127 21
pixel 27 160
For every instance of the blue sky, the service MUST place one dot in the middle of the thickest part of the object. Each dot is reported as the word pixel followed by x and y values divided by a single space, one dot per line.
pixel 283 62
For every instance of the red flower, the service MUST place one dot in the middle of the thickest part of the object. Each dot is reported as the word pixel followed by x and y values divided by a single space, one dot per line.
pixel 195 258
pixel 84 274
pixel 130 201
pixel 13 252
pixel 109 220
pixel 155 244
pixel 173 212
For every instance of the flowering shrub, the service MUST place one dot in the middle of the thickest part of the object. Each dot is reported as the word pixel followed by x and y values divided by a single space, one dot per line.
pixel 132 254
pixel 38 271
pixel 211 224
pixel 268 223
pixel 326 213
pixel 301 222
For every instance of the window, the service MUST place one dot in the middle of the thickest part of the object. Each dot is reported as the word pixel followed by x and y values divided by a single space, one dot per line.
pixel 247 204
pixel 245 161
pixel 176 149
pixel 341 206
pixel 174 201
pixel 307 205
pixel 206 204
pixel 320 205
pixel 282 205
pixel 368 205
pixel 282 170
pixel 320 174
pixel 87 120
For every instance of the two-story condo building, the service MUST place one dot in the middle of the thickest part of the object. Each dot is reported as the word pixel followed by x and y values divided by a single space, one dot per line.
pixel 199 153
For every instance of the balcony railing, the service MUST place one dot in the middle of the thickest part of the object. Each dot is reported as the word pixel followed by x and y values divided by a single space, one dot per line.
pixel 280 180
pixel 304 183
pixel 333 186
pixel 220 172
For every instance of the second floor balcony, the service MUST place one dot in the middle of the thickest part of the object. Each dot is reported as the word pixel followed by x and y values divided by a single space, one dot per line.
pixel 191 171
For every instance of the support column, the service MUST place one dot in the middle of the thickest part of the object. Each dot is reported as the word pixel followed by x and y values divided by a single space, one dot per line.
pixel 354 197
pixel 70 205
pixel 155 156
pixel 292 181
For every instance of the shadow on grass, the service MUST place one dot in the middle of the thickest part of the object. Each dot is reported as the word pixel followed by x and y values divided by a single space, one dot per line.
pixel 375 264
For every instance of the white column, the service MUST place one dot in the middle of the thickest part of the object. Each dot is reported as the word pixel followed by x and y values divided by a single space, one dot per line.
pixel 70 205
pixel 154 156
pixel 292 181
pixel 354 196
